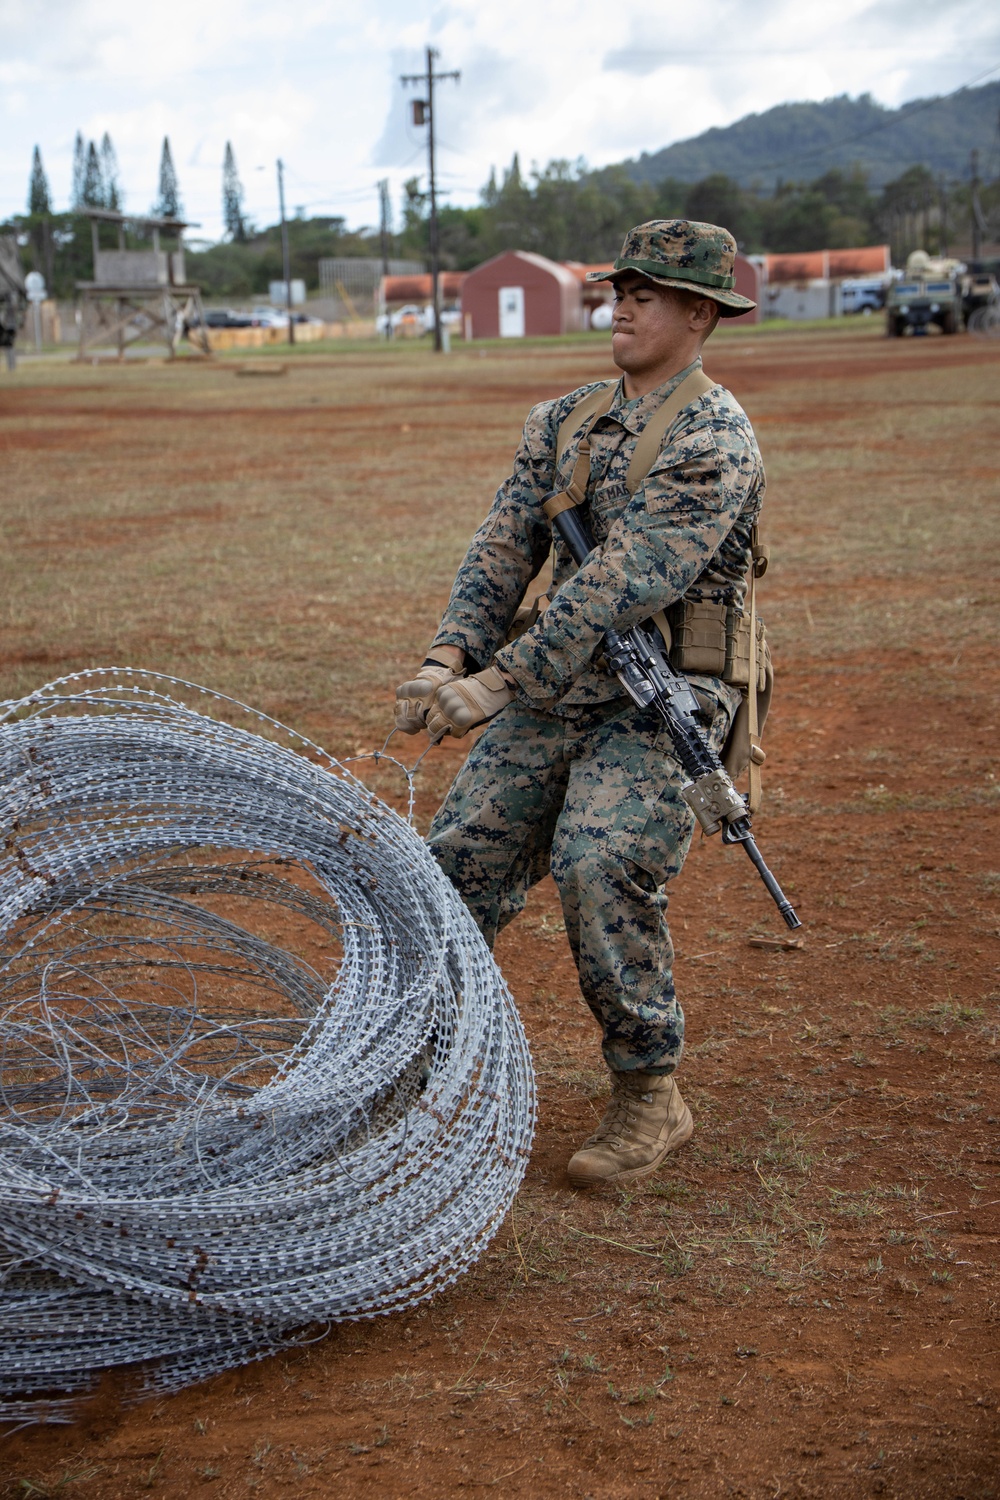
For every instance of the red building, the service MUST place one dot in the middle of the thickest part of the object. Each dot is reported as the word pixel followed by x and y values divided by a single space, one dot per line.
pixel 595 293
pixel 520 295
pixel 827 265
pixel 749 283
pixel 417 288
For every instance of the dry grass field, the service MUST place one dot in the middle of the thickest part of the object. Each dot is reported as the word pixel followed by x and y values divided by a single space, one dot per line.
pixel 805 1301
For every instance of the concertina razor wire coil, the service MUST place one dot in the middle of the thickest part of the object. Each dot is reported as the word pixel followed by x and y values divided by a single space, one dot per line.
pixel 212 1144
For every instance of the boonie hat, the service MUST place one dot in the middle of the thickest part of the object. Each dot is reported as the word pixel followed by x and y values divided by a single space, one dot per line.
pixel 682 253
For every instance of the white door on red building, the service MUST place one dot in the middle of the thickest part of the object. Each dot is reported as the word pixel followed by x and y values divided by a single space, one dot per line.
pixel 511 312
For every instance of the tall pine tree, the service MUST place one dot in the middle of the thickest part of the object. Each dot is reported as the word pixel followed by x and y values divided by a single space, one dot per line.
pixel 168 204
pixel 110 176
pixel 79 171
pixel 39 197
pixel 93 183
pixel 232 198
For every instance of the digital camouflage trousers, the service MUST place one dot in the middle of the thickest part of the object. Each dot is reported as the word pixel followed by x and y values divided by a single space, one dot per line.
pixel 596 800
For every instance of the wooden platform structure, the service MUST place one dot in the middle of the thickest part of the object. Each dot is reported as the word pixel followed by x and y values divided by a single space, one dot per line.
pixel 138 295
pixel 13 297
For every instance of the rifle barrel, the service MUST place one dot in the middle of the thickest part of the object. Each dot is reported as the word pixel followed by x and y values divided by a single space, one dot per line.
pixel 774 890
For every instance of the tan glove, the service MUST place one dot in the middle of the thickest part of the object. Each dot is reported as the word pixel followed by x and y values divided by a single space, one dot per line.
pixel 413 699
pixel 460 706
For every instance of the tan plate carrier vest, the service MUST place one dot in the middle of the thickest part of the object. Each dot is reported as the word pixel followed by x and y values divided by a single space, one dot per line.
pixel 719 640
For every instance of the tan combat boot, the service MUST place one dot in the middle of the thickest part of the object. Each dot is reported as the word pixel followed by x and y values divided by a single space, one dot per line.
pixel 645 1118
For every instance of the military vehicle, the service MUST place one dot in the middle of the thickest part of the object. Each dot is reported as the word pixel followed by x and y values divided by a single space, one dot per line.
pixel 929 293
pixel 980 288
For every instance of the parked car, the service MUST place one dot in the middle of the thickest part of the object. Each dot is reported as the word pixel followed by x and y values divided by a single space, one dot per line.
pixel 268 317
pixel 407 320
pixel 224 317
pixel 863 296
pixel 412 319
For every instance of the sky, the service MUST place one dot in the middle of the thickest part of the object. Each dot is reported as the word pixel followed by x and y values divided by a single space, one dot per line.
pixel 318 84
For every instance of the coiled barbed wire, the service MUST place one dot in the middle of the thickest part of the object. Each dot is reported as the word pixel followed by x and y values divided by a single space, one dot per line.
pixel 258 1069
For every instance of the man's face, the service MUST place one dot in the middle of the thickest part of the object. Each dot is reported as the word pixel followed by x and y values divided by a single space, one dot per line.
pixel 650 325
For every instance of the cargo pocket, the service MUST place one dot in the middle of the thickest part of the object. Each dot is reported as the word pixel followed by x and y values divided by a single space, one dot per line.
pixel 693 477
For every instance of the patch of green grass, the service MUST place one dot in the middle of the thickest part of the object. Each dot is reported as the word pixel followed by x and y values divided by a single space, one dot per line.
pixel 787 1151
pixel 945 1016
pixel 674 1191
pixel 646 1421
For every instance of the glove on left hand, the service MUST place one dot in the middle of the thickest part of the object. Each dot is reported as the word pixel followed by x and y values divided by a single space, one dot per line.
pixel 460 706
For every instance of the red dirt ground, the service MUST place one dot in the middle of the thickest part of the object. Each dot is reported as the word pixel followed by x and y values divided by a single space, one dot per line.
pixel 804 1302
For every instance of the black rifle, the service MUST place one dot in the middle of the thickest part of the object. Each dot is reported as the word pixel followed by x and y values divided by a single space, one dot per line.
pixel 642 668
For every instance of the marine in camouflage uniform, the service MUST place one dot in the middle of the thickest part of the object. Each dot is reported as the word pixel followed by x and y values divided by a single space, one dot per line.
pixel 570 775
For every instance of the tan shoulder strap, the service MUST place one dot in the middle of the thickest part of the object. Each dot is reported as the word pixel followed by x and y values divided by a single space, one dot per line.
pixel 650 439
pixel 758 567
pixel 756 752
pixel 648 443
pixel 588 410
pixel 594 405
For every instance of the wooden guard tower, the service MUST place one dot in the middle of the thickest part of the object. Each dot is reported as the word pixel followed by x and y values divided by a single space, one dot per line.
pixel 139 294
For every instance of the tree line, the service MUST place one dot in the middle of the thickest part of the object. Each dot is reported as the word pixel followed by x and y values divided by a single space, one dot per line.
pixel 97 180
pixel 569 213
pixel 59 244
pixel 563 210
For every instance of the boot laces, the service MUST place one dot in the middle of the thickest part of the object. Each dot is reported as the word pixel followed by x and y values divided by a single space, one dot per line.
pixel 621 1113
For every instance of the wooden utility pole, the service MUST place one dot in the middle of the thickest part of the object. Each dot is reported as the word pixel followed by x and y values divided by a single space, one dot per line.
pixel 383 204
pixel 286 265
pixel 423 114
pixel 382 308
pixel 974 209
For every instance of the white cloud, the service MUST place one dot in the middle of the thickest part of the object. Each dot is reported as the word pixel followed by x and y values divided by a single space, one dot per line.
pixel 318 84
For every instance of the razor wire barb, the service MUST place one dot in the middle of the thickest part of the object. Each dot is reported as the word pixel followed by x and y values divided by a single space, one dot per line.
pixel 258 1070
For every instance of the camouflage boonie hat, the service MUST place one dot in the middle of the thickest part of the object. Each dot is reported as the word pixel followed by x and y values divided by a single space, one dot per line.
pixel 681 253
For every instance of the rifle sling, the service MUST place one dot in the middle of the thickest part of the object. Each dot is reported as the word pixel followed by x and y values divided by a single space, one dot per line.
pixel 650 439
pixel 596 405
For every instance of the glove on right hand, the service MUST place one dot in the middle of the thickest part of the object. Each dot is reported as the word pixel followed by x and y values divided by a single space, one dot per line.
pixel 413 699
pixel 459 707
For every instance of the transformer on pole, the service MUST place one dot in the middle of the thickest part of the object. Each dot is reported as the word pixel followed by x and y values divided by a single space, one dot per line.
pixel 423 114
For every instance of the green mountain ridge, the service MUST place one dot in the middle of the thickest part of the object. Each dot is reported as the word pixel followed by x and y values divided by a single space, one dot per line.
pixel 792 142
